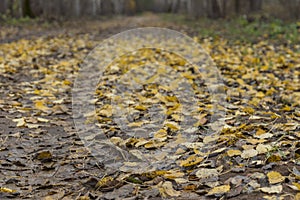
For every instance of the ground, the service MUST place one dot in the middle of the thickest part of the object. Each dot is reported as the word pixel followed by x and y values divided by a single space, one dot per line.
pixel 255 156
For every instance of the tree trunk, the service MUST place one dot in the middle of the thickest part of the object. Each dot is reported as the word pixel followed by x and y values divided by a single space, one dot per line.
pixel 255 5
pixel 214 9
pixel 27 9
pixel 237 6
pixel 77 7
pixel 197 8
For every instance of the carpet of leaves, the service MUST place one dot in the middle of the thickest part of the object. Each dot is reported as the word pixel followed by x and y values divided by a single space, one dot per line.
pixel 256 155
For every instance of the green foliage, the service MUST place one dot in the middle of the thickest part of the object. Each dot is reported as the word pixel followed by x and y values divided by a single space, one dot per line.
pixel 6 20
pixel 248 29
pixel 16 21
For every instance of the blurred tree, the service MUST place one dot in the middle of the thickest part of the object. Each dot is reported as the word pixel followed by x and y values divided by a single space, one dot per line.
pixel 77 7
pixel 27 9
pixel 255 5
pixel 207 8
pixel 130 7
pixel 194 8
pixel 292 7
pixel 197 8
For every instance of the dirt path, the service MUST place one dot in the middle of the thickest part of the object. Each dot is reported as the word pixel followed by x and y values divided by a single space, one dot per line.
pixel 50 160
pixel 42 157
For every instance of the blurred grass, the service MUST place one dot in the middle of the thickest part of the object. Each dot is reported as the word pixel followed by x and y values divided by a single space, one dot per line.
pixel 245 29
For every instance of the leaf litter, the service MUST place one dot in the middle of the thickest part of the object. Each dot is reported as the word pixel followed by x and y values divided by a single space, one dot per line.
pixel 257 151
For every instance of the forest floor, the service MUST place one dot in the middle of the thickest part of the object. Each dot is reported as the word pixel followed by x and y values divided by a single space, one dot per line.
pixel 256 155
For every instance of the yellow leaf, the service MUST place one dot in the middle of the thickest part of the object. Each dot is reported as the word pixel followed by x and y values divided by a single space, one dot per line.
pixel 106 111
pixel 297 185
pixel 141 142
pixel 176 117
pixel 233 152
pixel 6 190
pixel 275 177
pixel 67 82
pixel 154 144
pixel 167 189
pixel 286 108
pixel 260 132
pixel 255 141
pixel 161 134
pixel 172 125
pixel 136 124
pixel 274 158
pixel 140 107
pixel 202 120
pixel 260 95
pixel 174 174
pixel 42 119
pixel 44 155
pixel 191 161
pixel 116 140
pixel 20 121
pixel 104 181
pixel 276 189
pixel 240 81
pixel 40 105
pixel 219 190
pixel 32 125
pixel 171 98
pixel 248 110
pixel 154 174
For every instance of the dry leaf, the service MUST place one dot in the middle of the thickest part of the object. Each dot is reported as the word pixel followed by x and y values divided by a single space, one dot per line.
pixel 6 190
pixel 276 189
pixel 275 177
pixel 191 160
pixel 40 105
pixel 166 189
pixel 172 125
pixel 210 138
pixel 263 148
pixel 233 152
pixel 219 190
pixel 205 173
pixel 249 153
pixel 20 121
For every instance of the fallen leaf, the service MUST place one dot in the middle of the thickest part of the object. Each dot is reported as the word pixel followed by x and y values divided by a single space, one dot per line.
pixel 219 190
pixel 172 125
pixel 6 190
pixel 42 119
pixel 276 189
pixel 210 138
pixel 297 196
pixel 234 152
pixel 205 173
pixel 40 105
pixel 20 121
pixel 263 148
pixel 275 177
pixel 44 155
pixel 166 189
pixel 249 153
pixel 191 160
